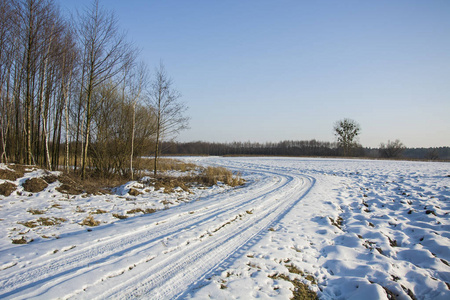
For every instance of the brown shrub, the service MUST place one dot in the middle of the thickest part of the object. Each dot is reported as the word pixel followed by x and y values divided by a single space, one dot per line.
pixel 34 185
pixel 7 188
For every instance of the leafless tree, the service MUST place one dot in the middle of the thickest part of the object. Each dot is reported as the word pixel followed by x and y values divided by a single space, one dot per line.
pixel 392 149
pixel 169 110
pixel 104 55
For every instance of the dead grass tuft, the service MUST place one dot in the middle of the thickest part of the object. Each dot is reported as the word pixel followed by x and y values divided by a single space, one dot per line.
pixel 29 224
pixel 34 185
pixel 21 241
pixel 36 211
pixel 338 222
pixel 90 221
pixel 99 212
pixel 7 188
pixel 212 175
pixel 121 217
pixel 135 210
pixel 301 290
pixel 134 192
pixel 150 211
pixel 50 221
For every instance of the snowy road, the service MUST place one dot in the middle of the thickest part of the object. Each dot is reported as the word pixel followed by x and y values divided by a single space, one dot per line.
pixel 159 256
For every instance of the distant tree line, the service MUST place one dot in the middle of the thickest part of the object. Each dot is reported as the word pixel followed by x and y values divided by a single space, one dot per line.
pixel 296 148
pixel 284 148
pixel 73 94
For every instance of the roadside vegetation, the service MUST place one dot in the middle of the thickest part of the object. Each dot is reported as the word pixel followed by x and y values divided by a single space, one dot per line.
pixel 63 199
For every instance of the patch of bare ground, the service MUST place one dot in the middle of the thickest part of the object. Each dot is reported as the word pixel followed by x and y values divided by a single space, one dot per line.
pixel 93 185
pixel 7 188
pixel 9 174
pixel 34 185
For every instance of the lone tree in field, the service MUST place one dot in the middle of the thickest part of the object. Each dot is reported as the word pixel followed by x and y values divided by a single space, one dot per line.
pixel 169 111
pixel 346 131
pixel 392 149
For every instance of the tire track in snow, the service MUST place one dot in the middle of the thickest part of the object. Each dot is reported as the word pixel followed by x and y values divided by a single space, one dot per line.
pixel 169 279
pixel 46 275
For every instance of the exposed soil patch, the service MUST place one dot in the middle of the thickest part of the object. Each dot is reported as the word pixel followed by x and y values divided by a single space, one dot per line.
pixel 7 188
pixel 34 185
pixel 134 192
pixel 69 189
pixel 9 175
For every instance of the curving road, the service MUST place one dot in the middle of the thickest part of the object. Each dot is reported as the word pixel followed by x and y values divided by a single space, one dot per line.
pixel 157 256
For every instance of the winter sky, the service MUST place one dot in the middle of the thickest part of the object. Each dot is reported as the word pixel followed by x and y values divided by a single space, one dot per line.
pixel 287 70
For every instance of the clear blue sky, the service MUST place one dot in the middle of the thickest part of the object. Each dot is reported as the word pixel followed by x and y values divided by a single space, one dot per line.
pixel 277 70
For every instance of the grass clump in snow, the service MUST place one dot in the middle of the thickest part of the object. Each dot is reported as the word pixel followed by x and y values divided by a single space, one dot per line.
pixel 21 241
pixel 301 290
pixel 50 221
pixel 7 188
pixel 212 175
pixel 90 221
pixel 338 222
pixel 36 211
pixel 121 217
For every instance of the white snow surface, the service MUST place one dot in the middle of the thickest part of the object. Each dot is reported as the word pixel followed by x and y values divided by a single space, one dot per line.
pixel 353 229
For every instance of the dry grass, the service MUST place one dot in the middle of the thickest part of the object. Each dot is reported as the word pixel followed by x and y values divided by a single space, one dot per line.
pixel 207 177
pixel 43 221
pixel 90 221
pixel 212 175
pixel 134 192
pixel 7 188
pixel 21 241
pixel 9 175
pixel 164 165
pixel 34 185
pixel 36 211
pixel 50 221
pixel 135 210
pixel 121 217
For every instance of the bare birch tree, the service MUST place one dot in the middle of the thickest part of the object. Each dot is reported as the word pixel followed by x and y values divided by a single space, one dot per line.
pixel 105 54
pixel 169 110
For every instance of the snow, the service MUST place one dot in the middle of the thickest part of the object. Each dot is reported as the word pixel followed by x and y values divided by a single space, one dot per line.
pixel 349 229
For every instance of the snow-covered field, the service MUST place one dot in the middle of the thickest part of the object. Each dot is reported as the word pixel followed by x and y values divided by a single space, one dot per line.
pixel 349 229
